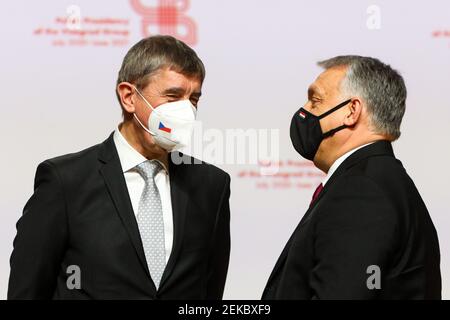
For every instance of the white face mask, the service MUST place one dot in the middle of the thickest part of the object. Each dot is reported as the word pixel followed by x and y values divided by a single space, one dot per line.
pixel 171 123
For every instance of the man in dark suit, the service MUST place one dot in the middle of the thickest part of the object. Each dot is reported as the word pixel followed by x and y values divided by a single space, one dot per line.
pixel 131 218
pixel 367 233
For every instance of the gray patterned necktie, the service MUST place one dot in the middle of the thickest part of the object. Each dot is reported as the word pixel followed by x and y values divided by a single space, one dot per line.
pixel 150 221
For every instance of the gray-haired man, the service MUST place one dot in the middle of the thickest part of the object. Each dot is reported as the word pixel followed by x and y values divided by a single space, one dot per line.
pixel 367 233
pixel 131 218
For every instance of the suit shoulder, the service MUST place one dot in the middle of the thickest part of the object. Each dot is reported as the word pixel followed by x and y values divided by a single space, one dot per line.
pixel 380 169
pixel 75 159
pixel 388 174
pixel 216 171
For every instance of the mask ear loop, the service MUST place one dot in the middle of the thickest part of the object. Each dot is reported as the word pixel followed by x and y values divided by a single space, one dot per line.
pixel 143 127
pixel 143 98
pixel 135 116
pixel 331 132
pixel 323 115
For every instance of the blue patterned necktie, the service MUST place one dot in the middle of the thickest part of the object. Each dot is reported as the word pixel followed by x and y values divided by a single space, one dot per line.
pixel 150 221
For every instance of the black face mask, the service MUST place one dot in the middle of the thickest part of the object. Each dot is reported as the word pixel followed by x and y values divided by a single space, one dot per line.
pixel 306 133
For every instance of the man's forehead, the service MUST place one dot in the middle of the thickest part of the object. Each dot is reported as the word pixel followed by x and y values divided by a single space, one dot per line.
pixel 328 81
pixel 170 79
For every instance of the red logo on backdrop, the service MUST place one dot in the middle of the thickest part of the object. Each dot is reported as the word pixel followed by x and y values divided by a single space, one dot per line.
pixel 168 16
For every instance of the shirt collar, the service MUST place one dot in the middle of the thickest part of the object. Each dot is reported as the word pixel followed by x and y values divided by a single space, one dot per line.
pixel 129 157
pixel 339 161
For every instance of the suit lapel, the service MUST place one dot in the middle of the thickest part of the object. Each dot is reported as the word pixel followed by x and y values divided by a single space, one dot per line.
pixel 285 251
pixel 111 171
pixel 280 261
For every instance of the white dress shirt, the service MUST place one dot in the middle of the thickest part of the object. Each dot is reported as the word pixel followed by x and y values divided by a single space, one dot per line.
pixel 129 159
pixel 339 161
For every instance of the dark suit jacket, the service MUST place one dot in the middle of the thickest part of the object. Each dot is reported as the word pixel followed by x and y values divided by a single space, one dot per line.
pixel 81 214
pixel 369 213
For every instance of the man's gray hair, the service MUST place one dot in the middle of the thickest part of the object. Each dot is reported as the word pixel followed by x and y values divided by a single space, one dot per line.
pixel 381 88
pixel 154 53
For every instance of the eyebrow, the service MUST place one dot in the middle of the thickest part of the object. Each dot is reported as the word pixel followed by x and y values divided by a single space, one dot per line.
pixel 174 90
pixel 180 91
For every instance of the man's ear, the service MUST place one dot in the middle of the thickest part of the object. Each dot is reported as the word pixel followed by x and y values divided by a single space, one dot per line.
pixel 125 90
pixel 353 112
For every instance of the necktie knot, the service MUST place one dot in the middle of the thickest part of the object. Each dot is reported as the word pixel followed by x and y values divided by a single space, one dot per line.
pixel 148 169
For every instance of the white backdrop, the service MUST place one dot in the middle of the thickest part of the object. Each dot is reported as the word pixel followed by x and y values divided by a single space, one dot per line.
pixel 58 97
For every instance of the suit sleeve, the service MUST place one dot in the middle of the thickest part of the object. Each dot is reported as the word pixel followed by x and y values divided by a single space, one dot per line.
pixel 356 229
pixel 41 239
pixel 220 250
